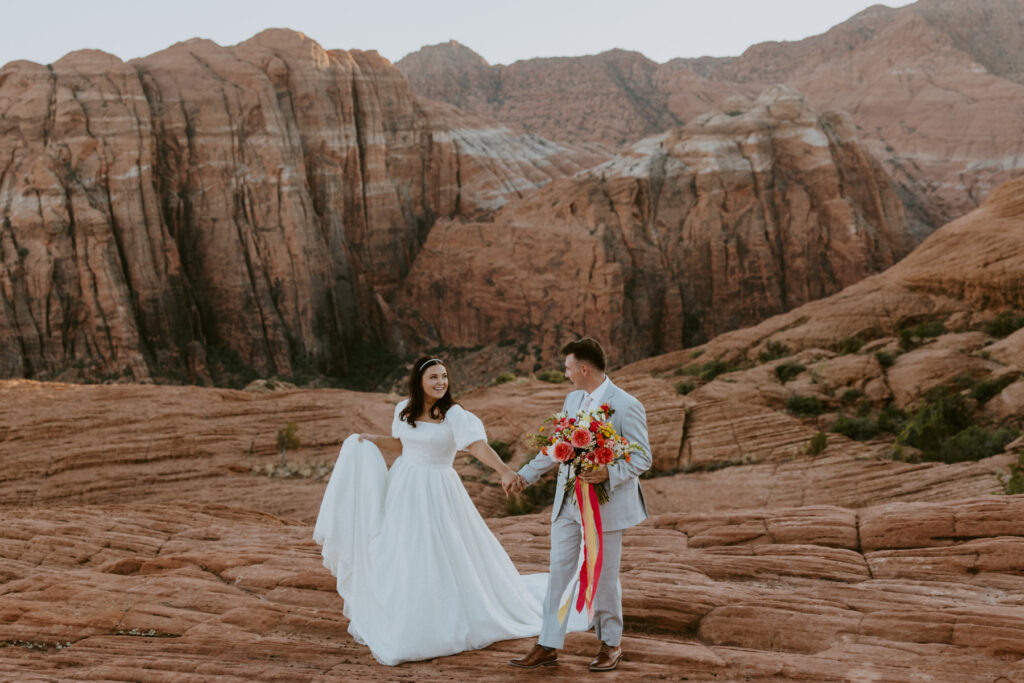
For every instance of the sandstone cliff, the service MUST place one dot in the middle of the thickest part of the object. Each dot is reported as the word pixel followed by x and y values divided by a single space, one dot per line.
pixel 707 228
pixel 935 87
pixel 256 203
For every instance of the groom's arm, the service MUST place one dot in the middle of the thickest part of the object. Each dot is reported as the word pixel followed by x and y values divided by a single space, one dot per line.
pixel 634 428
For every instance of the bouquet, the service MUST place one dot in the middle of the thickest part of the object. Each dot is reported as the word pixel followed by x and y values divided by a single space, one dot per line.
pixel 586 441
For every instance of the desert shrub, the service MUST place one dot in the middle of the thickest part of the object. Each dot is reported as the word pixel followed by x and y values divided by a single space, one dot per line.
pixel 552 376
pixel 986 389
pixel 1004 324
pixel 713 369
pixel 856 428
pixel 697 354
pixel 503 450
pixel 850 396
pixel 685 387
pixel 1014 484
pixel 787 371
pixel 941 428
pixel 773 350
pixel 891 419
pixel 504 378
pixel 885 358
pixel 864 408
pixel 287 438
pixel 805 405
pixel 849 345
pixel 817 444
pixel 912 337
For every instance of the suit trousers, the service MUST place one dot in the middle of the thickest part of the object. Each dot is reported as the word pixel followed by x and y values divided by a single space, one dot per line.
pixel 566 536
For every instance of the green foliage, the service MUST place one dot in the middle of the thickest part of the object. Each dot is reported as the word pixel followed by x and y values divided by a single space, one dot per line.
pixel 697 354
pixel 773 350
pixel 787 371
pixel 805 405
pixel 885 358
pixel 856 428
pixel 891 419
pixel 287 438
pixel 817 444
pixel 503 450
pixel 984 390
pixel 850 396
pixel 912 337
pixel 849 345
pixel 942 429
pixel 552 376
pixel 1004 324
pixel 1014 484
pixel 685 387
pixel 504 378
pixel 713 369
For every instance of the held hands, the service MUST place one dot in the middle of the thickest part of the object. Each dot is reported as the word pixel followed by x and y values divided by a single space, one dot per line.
pixel 512 483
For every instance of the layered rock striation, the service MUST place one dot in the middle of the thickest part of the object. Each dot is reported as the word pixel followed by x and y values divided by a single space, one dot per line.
pixel 712 226
pixel 257 202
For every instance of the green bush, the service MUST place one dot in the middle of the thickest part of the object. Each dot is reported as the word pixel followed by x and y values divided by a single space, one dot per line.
pixel 504 378
pixel 891 419
pixel 685 387
pixel 856 428
pixel 552 376
pixel 851 395
pixel 1004 324
pixel 885 358
pixel 941 428
pixel 787 371
pixel 503 450
pixel 987 389
pixel 817 444
pixel 805 405
pixel 1014 484
pixel 713 369
pixel 912 337
pixel 849 345
pixel 773 350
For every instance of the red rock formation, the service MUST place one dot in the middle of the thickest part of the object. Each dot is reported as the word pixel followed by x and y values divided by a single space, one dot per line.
pixel 260 200
pixel 934 86
pixel 710 227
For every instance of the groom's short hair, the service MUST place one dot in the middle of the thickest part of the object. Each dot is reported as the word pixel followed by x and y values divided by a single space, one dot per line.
pixel 587 350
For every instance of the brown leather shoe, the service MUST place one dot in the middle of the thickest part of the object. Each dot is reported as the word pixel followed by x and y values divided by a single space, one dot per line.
pixel 607 658
pixel 538 657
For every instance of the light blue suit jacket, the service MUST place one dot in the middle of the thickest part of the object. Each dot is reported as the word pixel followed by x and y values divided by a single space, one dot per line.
pixel 625 506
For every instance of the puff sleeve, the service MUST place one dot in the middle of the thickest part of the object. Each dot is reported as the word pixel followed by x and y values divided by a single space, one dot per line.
pixel 466 427
pixel 396 421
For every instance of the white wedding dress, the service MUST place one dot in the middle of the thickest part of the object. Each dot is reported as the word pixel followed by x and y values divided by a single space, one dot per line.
pixel 420 573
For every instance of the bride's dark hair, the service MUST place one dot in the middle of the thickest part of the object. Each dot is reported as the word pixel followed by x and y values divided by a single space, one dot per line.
pixel 417 398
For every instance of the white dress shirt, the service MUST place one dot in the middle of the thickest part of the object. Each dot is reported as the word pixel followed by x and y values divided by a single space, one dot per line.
pixel 593 400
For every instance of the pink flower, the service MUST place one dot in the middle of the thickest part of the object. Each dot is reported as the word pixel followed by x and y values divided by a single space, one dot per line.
pixel 604 456
pixel 581 438
pixel 563 451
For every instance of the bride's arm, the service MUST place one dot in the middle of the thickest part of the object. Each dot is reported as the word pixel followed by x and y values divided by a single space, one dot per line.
pixel 482 451
pixel 386 444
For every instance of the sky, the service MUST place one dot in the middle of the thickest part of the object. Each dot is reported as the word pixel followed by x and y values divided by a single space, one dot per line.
pixel 502 32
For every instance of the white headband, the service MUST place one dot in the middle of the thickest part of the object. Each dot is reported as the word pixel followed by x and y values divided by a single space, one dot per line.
pixel 428 362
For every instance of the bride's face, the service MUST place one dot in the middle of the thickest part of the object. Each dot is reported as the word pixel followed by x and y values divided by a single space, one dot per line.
pixel 435 382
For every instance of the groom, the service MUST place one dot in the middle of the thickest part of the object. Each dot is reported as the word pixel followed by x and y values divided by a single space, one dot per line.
pixel 585 368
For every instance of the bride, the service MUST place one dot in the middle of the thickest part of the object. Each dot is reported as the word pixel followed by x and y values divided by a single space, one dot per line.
pixel 420 573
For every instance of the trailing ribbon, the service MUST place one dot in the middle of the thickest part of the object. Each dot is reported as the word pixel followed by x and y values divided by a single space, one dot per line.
pixel 591 551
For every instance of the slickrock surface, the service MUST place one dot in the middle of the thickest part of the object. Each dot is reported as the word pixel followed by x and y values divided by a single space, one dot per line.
pixel 208 592
pixel 710 227
pixel 934 87
pixel 254 203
